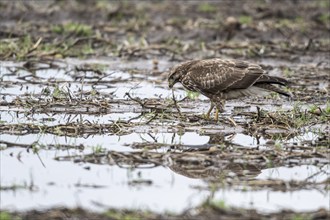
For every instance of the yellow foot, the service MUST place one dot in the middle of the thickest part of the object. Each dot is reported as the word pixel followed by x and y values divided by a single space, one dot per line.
pixel 206 116
pixel 216 115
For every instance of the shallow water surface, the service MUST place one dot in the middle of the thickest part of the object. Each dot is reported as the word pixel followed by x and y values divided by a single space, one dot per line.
pixel 147 158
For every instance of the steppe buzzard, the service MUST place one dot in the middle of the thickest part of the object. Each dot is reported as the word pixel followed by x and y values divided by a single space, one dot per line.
pixel 220 80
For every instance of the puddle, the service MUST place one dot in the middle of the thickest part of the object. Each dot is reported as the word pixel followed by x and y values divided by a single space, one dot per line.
pixel 101 130
pixel 313 173
pixel 179 158
pixel 94 186
pixel 116 82
pixel 51 119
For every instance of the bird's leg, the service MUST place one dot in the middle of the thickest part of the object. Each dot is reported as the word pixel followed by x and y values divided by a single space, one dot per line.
pixel 207 116
pixel 219 108
pixel 216 114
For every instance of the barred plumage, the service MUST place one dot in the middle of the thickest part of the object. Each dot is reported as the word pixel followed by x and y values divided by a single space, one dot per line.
pixel 220 79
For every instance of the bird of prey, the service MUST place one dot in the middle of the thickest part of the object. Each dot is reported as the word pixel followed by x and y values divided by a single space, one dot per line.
pixel 221 80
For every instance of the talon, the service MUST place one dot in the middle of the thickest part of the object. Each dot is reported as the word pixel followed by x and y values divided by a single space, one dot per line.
pixel 207 116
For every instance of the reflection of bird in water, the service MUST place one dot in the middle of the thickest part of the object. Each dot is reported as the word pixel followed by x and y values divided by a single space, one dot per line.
pixel 221 138
pixel 207 171
pixel 194 163
pixel 216 139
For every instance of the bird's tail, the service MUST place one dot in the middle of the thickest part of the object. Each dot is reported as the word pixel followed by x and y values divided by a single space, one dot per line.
pixel 272 80
pixel 270 87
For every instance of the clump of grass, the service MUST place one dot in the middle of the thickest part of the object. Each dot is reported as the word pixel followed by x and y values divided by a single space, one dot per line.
pixel 314 109
pixel 220 204
pixel 122 215
pixel 86 50
pixel 298 117
pixel 4 215
pixel 94 92
pixel 98 149
pixel 323 3
pixel 59 93
pixel 278 145
pixel 287 72
pixel 244 19
pixel 103 5
pixel 298 23
pixel 16 48
pixel 21 48
pixel 97 66
pixel 299 217
pixel 327 109
pixel 192 95
pixel 281 23
pixel 73 28
pixel 313 115
pixel 206 8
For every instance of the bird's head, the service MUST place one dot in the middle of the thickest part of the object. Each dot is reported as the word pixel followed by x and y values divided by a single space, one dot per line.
pixel 174 76
pixel 176 73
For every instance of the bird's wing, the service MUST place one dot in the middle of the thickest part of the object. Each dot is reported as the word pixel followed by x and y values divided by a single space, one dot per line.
pixel 272 80
pixel 217 75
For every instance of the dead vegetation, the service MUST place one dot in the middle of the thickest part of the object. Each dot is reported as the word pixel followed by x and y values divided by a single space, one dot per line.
pixel 45 91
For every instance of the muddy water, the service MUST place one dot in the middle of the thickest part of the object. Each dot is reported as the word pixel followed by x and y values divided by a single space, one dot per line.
pixel 53 169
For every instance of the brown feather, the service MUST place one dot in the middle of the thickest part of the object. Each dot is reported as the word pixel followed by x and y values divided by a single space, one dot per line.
pixel 220 79
pixel 272 88
pixel 216 75
pixel 273 80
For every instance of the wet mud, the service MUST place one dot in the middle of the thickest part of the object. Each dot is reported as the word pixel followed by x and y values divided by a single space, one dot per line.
pixel 90 129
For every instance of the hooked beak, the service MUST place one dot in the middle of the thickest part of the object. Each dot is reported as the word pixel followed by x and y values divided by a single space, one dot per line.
pixel 171 83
